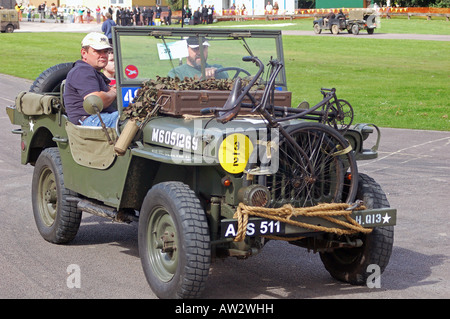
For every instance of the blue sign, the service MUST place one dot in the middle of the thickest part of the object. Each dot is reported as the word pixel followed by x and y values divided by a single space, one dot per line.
pixel 128 95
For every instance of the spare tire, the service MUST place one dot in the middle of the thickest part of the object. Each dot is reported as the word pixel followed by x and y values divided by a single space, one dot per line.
pixel 50 80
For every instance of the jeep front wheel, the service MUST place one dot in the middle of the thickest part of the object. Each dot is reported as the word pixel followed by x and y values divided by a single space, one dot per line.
pixel 351 264
pixel 9 28
pixel 57 219
pixel 174 243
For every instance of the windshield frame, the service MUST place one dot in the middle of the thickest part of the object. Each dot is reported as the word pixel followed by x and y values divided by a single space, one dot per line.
pixel 127 88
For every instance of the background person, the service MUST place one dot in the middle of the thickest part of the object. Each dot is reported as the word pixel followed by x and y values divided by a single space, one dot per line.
pixel 193 66
pixel 110 69
pixel 107 26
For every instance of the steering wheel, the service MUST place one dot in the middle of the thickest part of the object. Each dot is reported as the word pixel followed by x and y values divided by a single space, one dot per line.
pixel 233 68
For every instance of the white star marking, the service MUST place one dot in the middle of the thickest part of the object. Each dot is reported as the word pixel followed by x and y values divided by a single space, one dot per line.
pixel 386 218
pixel 31 126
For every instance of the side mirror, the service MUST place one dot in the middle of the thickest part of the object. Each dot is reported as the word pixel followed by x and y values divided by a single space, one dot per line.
pixel 93 104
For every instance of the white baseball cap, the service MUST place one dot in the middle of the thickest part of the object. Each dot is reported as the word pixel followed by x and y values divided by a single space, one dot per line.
pixel 96 40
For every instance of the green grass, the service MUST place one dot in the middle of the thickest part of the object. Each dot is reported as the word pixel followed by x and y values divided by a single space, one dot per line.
pixel 391 83
pixel 26 55
pixel 418 25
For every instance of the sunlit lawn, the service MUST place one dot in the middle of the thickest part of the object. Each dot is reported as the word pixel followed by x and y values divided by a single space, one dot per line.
pixel 392 83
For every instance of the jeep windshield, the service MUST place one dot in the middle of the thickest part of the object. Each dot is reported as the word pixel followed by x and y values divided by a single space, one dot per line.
pixel 143 53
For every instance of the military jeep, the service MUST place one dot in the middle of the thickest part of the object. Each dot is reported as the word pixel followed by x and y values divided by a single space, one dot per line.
pixel 361 19
pixel 357 20
pixel 9 20
pixel 333 24
pixel 209 168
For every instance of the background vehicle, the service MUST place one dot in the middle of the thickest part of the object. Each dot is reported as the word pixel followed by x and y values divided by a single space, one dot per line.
pixel 9 20
pixel 334 25
pixel 358 19
pixel 209 168
pixel 361 20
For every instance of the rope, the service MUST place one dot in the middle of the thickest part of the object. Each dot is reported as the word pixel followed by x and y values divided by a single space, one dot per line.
pixel 285 213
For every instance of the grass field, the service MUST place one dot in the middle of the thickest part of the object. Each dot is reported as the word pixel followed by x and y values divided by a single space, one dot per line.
pixel 392 83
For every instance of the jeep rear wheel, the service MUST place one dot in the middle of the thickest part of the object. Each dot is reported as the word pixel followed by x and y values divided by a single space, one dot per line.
pixel 174 243
pixel 351 264
pixel 57 219
pixel 335 29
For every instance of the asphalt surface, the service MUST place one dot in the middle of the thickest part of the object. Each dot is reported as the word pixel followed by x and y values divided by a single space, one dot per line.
pixel 412 168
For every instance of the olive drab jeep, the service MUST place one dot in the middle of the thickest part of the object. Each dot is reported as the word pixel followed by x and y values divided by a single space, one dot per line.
pixel 9 20
pixel 209 168
pixel 354 22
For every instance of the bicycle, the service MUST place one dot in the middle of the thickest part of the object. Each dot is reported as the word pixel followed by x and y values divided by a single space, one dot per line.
pixel 306 162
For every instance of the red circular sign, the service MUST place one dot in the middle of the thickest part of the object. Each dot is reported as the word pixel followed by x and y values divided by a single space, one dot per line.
pixel 131 71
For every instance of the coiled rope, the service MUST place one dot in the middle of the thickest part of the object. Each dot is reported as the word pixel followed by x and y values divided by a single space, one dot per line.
pixel 327 211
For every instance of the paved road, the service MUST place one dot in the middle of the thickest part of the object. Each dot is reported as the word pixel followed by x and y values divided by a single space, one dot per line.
pixel 413 169
pixel 376 35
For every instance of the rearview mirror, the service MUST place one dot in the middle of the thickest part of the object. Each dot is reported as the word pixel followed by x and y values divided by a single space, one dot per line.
pixel 93 104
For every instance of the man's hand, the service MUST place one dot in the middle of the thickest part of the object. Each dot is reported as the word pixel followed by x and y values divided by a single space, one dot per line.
pixel 210 72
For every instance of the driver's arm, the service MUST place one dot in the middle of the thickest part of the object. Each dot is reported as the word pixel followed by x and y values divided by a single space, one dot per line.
pixel 107 97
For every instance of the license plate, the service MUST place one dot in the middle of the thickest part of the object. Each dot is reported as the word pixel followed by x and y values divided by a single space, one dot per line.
pixel 255 227
pixel 375 218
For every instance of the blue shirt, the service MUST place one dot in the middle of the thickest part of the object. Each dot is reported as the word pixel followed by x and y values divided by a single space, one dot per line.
pixel 107 28
pixel 82 80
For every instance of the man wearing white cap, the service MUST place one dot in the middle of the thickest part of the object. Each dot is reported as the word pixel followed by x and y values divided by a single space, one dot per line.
pixel 193 66
pixel 86 78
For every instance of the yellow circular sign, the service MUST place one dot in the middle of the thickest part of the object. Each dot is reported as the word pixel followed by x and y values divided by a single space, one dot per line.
pixel 234 152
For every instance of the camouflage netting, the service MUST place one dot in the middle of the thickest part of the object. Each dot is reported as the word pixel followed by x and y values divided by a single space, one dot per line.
pixel 147 95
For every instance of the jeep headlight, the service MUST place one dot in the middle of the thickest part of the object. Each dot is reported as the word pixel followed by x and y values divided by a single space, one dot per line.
pixel 254 195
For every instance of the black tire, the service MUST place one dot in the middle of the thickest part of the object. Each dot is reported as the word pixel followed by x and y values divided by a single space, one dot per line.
pixel 355 29
pixel 57 219
pixel 335 29
pixel 351 264
pixel 317 29
pixel 50 80
pixel 172 209
pixel 9 28
pixel 370 30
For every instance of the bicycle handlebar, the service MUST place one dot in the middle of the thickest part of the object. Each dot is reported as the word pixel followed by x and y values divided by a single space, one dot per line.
pixel 234 102
pixel 232 105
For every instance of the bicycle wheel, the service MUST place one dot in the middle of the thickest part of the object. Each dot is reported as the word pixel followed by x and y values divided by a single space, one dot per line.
pixel 340 115
pixel 324 172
